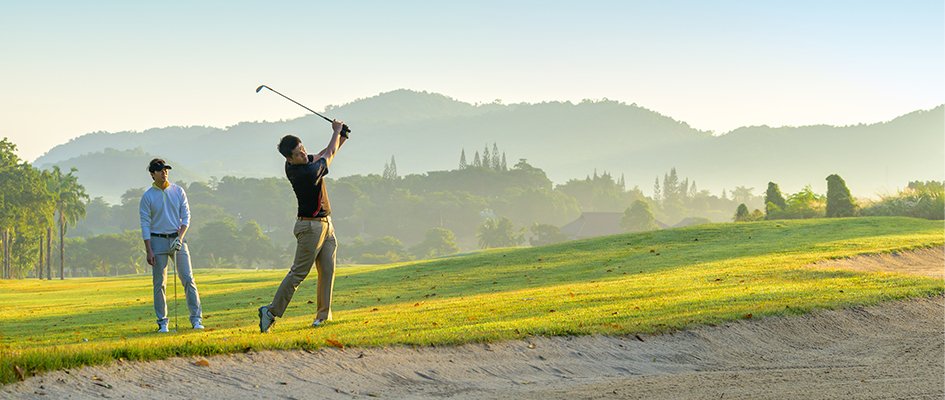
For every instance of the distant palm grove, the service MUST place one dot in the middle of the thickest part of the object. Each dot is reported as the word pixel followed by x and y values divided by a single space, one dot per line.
pixel 484 202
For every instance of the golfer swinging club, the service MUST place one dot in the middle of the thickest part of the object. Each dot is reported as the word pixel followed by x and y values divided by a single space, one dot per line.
pixel 165 216
pixel 314 231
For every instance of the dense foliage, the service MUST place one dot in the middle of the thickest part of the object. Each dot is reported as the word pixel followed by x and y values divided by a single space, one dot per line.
pixel 246 222
pixel 31 203
pixel 918 199
pixel 839 201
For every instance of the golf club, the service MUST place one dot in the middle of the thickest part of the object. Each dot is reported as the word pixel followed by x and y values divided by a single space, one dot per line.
pixel 173 258
pixel 344 128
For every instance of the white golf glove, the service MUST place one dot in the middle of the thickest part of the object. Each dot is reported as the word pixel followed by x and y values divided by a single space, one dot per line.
pixel 176 245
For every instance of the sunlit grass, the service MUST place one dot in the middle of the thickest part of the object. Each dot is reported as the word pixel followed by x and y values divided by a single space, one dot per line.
pixel 652 282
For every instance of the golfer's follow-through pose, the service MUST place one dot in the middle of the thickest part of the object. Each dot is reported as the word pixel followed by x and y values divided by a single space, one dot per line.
pixel 314 230
pixel 165 216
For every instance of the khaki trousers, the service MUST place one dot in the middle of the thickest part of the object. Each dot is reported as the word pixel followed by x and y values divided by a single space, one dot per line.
pixel 315 244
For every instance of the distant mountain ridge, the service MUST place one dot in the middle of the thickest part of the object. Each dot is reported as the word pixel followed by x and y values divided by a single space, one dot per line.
pixel 426 131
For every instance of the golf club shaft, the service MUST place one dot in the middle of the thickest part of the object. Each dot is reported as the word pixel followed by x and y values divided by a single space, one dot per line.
pixel 344 128
pixel 173 259
pixel 300 104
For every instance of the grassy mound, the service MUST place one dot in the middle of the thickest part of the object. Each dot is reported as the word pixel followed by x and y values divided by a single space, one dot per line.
pixel 651 282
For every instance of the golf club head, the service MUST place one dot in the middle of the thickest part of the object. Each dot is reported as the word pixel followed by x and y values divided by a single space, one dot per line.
pixel 261 87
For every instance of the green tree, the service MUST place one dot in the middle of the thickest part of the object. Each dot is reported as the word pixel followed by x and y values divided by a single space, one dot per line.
pixel 381 250
pixel 600 193
pixel 99 219
pixel 256 245
pixel 499 232
pixel 773 197
pixel 79 258
pixel 741 214
pixel 839 201
pixel 545 234
pixel 657 193
pixel 742 194
pixel 756 215
pixel 113 254
pixel 25 209
pixel 527 206
pixel 219 242
pixel 390 170
pixel 438 242
pixel 24 253
pixel 804 204
pixel 496 160
pixel 135 257
pixel 918 200
pixel 638 218
pixel 127 212
pixel 70 199
pixel 673 194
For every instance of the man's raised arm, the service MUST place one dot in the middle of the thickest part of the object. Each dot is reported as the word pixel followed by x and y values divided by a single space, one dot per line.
pixel 321 154
pixel 334 144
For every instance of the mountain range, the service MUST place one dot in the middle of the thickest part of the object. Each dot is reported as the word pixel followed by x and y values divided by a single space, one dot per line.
pixel 427 131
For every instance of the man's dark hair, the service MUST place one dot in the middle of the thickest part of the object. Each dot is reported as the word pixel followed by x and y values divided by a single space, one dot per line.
pixel 287 144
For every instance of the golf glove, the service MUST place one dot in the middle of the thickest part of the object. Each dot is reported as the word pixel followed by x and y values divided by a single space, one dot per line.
pixel 176 245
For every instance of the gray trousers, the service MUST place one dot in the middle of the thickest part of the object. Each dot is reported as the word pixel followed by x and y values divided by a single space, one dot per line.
pixel 315 243
pixel 160 247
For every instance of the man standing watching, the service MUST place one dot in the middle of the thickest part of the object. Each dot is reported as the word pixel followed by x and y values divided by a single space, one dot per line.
pixel 314 230
pixel 165 216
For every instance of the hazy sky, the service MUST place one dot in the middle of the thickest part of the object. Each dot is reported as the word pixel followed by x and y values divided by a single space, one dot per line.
pixel 70 67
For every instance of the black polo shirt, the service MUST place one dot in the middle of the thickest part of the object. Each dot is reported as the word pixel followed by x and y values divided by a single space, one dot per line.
pixel 308 183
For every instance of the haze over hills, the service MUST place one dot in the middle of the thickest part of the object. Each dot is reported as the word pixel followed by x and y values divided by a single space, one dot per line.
pixel 426 131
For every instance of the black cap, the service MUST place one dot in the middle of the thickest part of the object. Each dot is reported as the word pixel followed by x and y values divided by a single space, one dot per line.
pixel 158 164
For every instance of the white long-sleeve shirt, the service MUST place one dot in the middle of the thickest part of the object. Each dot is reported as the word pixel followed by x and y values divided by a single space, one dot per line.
pixel 163 211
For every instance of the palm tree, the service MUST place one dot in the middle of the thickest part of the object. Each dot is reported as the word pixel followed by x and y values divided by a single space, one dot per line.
pixel 70 200
pixel 47 177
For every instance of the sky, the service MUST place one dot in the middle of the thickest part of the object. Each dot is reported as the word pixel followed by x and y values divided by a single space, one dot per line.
pixel 69 68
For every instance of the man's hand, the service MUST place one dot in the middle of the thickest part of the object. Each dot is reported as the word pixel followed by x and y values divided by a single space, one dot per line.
pixel 334 143
pixel 176 245
pixel 340 128
pixel 150 257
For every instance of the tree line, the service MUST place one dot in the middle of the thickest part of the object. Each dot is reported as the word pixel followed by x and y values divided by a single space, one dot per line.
pixel 32 203
pixel 241 222
pixel 919 200
pixel 244 222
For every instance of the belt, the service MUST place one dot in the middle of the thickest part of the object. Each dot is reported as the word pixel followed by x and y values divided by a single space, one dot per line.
pixel 325 219
pixel 165 235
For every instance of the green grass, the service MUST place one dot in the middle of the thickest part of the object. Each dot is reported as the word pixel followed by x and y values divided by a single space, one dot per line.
pixel 638 283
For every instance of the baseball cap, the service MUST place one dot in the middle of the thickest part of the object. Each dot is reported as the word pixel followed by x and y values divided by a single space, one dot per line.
pixel 158 164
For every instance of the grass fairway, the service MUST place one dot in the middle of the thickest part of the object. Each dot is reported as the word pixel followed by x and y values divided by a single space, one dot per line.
pixel 650 282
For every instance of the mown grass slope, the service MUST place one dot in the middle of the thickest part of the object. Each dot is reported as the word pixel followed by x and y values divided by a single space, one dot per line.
pixel 635 283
